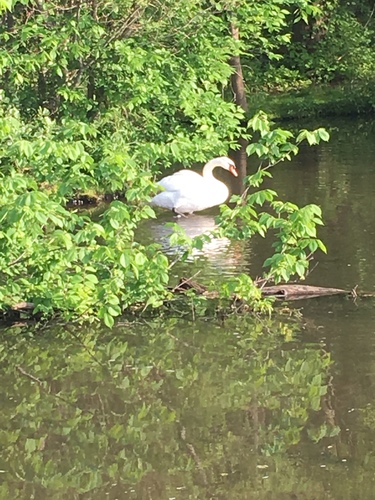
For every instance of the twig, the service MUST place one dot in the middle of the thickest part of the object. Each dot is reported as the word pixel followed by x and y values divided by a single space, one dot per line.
pixel 370 16
pixel 15 261
pixel 193 453
pixel 85 347
pixel 309 271
pixel 186 280
pixel 34 379
pixel 57 396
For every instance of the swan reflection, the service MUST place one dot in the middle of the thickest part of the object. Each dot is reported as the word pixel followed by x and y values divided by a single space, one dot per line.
pixel 221 252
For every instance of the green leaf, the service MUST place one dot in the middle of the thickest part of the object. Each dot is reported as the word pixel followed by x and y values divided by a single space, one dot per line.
pixel 92 278
pixel 323 134
pixel 114 223
pixel 108 320
pixel 31 445
pixel 140 259
pixel 300 269
pixel 114 310
pixel 322 246
pixel 26 148
pixel 5 5
pixel 125 260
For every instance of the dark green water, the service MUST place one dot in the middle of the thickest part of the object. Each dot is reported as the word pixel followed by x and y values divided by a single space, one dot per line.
pixel 280 408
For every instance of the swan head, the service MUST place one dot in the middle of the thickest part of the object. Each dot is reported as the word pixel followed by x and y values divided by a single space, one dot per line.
pixel 232 167
pixel 226 163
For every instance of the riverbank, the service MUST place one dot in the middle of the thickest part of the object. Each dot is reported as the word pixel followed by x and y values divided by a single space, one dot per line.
pixel 314 101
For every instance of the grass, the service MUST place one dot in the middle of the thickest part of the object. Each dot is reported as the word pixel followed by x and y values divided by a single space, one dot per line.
pixel 315 101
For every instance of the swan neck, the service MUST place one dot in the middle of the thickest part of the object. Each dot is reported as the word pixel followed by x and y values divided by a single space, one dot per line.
pixel 209 167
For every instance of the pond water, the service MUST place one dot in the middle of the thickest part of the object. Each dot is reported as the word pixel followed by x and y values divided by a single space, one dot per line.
pixel 222 408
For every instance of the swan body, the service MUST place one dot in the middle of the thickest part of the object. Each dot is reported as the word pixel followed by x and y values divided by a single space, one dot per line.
pixel 186 191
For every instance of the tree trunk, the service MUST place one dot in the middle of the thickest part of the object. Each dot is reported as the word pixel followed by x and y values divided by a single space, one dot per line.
pixel 237 80
pixel 238 85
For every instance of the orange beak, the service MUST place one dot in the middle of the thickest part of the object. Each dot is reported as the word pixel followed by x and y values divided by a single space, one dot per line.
pixel 233 170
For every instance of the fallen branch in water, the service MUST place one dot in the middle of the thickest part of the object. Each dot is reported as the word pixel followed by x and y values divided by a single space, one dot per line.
pixel 293 291
pixel 296 291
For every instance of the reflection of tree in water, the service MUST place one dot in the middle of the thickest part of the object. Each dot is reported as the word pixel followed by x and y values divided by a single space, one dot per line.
pixel 156 407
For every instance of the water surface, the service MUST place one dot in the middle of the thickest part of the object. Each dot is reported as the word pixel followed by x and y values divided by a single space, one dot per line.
pixel 226 408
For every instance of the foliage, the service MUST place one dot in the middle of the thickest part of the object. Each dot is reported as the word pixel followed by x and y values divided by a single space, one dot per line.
pixel 99 99
pixel 343 50
pixel 266 34
pixel 296 46
pixel 68 126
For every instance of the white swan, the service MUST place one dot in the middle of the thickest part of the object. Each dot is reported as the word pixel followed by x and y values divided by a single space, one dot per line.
pixel 186 191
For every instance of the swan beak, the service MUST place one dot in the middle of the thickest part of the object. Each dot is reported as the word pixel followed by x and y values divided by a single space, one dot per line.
pixel 233 170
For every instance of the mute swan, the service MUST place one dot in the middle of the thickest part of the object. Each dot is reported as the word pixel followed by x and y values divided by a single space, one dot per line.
pixel 186 191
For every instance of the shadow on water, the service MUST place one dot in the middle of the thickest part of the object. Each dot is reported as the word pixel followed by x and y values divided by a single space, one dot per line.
pixel 241 408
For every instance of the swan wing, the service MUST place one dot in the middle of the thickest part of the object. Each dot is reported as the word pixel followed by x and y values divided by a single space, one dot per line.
pixel 165 199
pixel 181 180
pixel 199 197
